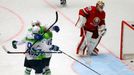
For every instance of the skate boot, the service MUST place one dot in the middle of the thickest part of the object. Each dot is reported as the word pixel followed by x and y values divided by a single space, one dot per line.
pixel 95 51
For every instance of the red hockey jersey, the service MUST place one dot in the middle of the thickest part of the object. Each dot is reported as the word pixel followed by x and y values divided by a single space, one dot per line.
pixel 94 17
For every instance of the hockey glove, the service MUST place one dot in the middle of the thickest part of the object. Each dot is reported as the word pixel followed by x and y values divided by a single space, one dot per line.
pixel 102 32
pixel 14 44
pixel 38 37
pixel 54 48
pixel 56 28
pixel 29 45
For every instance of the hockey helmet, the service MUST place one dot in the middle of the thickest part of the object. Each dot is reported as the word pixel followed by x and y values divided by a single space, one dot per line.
pixel 35 23
pixel 100 5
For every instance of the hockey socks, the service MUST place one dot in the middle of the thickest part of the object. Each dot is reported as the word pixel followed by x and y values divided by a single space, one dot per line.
pixel 47 72
pixel 28 71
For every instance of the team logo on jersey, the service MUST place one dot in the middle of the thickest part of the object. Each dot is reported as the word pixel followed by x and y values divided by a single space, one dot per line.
pixel 96 21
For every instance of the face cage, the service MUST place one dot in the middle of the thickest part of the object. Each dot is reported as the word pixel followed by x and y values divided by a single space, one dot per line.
pixel 100 7
pixel 100 4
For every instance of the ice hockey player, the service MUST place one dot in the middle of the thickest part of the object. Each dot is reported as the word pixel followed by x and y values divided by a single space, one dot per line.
pixel 36 58
pixel 92 27
pixel 63 2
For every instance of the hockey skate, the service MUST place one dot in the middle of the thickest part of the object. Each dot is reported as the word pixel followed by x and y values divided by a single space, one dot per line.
pixel 63 2
pixel 47 72
pixel 95 51
pixel 83 52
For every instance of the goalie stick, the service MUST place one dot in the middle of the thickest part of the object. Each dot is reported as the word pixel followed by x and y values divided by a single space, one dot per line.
pixel 6 50
pixel 9 52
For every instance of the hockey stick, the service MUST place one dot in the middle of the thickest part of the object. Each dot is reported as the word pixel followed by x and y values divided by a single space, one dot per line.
pixel 9 52
pixel 6 50
pixel 49 27
pixel 80 62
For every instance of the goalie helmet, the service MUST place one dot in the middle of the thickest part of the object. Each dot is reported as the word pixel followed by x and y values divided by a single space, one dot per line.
pixel 100 5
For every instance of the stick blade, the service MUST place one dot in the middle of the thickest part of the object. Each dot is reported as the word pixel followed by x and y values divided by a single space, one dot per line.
pixel 5 49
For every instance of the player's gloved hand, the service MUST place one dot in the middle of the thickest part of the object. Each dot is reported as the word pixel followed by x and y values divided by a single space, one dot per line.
pixel 14 44
pixel 102 32
pixel 38 37
pixel 56 28
pixel 54 47
pixel 29 45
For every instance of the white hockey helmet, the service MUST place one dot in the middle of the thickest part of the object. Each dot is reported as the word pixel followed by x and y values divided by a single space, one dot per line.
pixel 35 23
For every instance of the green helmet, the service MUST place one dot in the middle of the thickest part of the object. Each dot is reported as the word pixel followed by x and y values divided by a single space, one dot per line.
pixel 48 35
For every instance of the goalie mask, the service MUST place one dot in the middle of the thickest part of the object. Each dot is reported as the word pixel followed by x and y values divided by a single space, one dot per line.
pixel 100 6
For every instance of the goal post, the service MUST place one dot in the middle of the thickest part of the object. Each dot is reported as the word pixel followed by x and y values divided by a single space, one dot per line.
pixel 127 40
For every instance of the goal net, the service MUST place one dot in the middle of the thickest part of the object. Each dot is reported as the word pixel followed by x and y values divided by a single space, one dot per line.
pixel 127 40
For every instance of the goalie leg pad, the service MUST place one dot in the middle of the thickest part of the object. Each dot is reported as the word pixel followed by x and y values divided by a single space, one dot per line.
pixel 92 43
pixel 81 45
pixel 95 51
